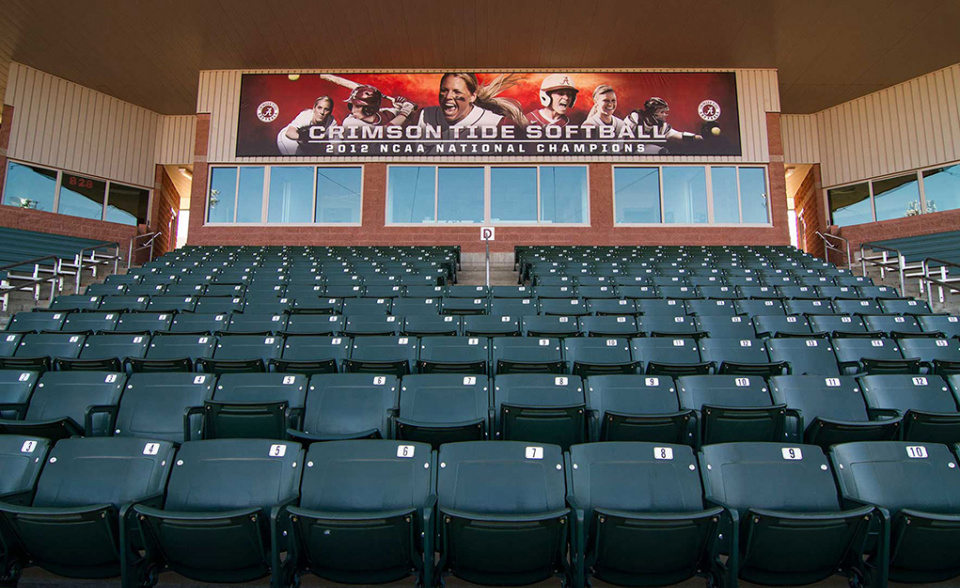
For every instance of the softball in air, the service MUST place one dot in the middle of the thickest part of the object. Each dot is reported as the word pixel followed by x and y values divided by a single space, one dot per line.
pixel 715 131
pixel 293 77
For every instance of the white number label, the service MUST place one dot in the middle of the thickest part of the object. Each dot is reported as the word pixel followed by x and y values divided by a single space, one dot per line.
pixel 942 343
pixel 846 319
pixel 477 301
pixel 405 451
pixel 504 319
pixel 544 342
pixel 111 378
pixel 469 380
pixel 336 341
pixel 269 341
pixel 916 452
pixel 678 342
pixel 876 343
pixel 151 449
pixel 621 319
pixel 24 376
pixel 199 379
pixel 473 341
pixel 791 319
pixel 678 319
pixel 428 301
pixel 278 450
pixel 275 318
pixel 525 301
pixel 287 380
pixel 832 382
pixel 811 343
pixel 203 339
pixel 736 319
pixel 742 382
pixel 746 343
pixel 560 381
pixel 534 452
pixel 611 342
pixel 391 319
pixel 403 340
pixel 564 319
pixel 93 299
pixel 919 381
pixel 899 319
pixel 11 338
pixel 792 453
pixel 952 319
pixel 448 319
pixel 74 339
pixel 663 453
pixel 138 339
pixel 334 319
pixel 622 302
pixel 379 380
pixel 652 382
pixel 28 447
pixel 57 316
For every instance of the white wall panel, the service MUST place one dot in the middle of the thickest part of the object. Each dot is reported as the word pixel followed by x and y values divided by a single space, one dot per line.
pixel 801 138
pixel 175 140
pixel 219 95
pixel 61 124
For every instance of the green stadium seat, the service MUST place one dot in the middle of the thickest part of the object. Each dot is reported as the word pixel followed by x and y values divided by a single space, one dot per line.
pixel 37 321
pixel 538 355
pixel 167 406
pixel 209 324
pixel 242 353
pixel 255 406
pixel 90 322
pixel 491 326
pixel 252 323
pixel 928 407
pixel 382 355
pixel 349 406
pixel 635 408
pixel 443 408
pixel 174 352
pixel 589 356
pixel 541 408
pixel 731 408
pixel 458 355
pixel 669 356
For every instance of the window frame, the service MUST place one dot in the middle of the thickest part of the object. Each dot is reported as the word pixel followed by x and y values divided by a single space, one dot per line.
pixel 487 187
pixel 708 172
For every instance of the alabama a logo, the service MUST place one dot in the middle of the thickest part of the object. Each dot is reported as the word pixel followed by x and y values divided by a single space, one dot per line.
pixel 268 111
pixel 709 110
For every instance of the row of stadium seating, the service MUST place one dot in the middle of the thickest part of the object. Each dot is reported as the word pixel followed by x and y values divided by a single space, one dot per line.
pixel 501 513
pixel 672 355
pixel 443 408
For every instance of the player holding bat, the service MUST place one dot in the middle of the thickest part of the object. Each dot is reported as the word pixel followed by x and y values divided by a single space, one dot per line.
pixel 293 139
pixel 364 103
pixel 652 120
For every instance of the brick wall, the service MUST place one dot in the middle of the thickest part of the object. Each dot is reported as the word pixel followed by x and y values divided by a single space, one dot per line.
pixel 165 198
pixel 600 232
pixel 809 206
pixel 911 226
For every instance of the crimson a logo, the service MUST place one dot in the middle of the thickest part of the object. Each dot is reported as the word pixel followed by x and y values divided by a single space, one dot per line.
pixel 268 111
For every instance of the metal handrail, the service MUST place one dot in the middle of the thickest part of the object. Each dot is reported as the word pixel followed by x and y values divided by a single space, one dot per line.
pixel 149 244
pixel 882 261
pixel 93 259
pixel 831 247
pixel 943 281
pixel 33 281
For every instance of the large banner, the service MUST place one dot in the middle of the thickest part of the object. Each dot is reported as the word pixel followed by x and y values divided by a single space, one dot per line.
pixel 488 114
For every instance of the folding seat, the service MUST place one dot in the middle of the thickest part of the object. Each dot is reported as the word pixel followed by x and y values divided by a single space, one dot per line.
pixel 371 325
pixel 810 281
pixel 878 292
pixel 467 292
pixel 550 281
pixel 382 355
pixel 928 406
pixel 730 408
pixel 839 292
pixel 348 406
pixel 464 306
pixel 811 355
pixel 609 326
pixel 936 354
pixel 541 408
pixel 916 489
pixel 185 289
pixel 807 306
pixel 254 406
pixel 804 292
pixel 669 326
pixel 550 326
pixel 741 281
pixel 36 351
pixel 510 292
pixel 36 322
pixel 587 356
pixel 637 292
pixel 827 410
pixel 514 307
pixel 74 303
pixel 949 326
pixel 419 291
pixel 598 292
pixel 872 355
pixel 661 281
pixel 314 324
pixel 767 325
pixel 527 355
pixel 123 303
pixel 546 292
pixel 221 290
pixel 220 517
pixel 738 327
pixel 670 356
pixel 144 322
pixel 491 326
pixel 436 278
pixel 189 322
pixel 242 353
pixel 904 307
pixel 443 408
pixel 146 289
pixel 21 459
pixel 416 307
pixel 640 513
pixel 106 352
pixel 608 307
pixel 635 408
pixel 65 404
pixel 105 289
pixel 661 307
pixel 859 306
pixel 501 512
pixel 719 292
pixel 393 290
pixel 891 325
pixel 215 304
pixel 374 524
pixel 604 278
pixel 564 307
pixel 760 292
pixel 756 307
pixel 710 307
pixel 740 357
pixel 421 326
pixel 253 323
pixel 16 387
pixel 458 355
pixel 167 406
pixel 90 322
pixel 77 524
pixel 366 306
pixel 312 354
pixel 305 292
pixel 172 303
pixel 174 352
pixel 781 498
pixel 837 324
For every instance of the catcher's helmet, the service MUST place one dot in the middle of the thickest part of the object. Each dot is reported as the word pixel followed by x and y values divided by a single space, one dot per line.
pixel 555 82
pixel 654 103
pixel 366 96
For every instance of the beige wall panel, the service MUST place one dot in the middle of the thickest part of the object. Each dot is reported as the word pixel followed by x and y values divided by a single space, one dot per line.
pixel 61 124
pixel 175 140
pixel 219 95
pixel 801 138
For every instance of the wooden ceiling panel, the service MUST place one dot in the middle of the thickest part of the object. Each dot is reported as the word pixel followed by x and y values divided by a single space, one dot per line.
pixel 151 54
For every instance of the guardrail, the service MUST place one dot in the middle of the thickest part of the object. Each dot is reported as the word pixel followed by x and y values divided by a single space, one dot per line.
pixel 95 259
pixel 884 261
pixel 829 246
pixel 944 280
pixel 148 245
pixel 13 281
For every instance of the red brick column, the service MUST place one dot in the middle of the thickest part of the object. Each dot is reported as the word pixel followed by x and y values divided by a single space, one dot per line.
pixel 778 183
pixel 198 190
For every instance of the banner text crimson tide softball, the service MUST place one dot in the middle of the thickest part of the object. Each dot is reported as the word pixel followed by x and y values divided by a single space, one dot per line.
pixel 488 114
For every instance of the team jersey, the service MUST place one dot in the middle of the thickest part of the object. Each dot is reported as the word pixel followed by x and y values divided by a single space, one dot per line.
pixel 634 120
pixel 478 117
pixel 383 119
pixel 535 118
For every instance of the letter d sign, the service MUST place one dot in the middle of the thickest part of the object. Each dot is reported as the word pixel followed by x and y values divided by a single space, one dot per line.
pixel 486 234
